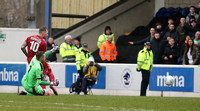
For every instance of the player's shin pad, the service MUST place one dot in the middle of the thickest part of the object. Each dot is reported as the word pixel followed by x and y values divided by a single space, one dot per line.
pixel 54 90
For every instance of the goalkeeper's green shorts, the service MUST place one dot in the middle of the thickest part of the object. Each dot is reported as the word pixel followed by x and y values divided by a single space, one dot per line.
pixel 37 90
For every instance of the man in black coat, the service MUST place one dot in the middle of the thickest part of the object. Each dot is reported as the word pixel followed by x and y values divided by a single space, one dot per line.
pixel 157 46
pixel 147 39
pixel 50 44
pixel 171 33
pixel 171 53
pixel 159 30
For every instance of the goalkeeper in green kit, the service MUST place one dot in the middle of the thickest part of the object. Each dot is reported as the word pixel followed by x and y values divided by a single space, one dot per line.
pixel 33 77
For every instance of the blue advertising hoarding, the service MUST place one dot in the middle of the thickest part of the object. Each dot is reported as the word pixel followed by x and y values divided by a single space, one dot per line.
pixel 71 76
pixel 183 79
pixel 11 74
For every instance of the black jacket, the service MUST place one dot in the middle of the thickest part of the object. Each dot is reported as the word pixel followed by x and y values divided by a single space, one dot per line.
pixel 171 51
pixel 161 32
pixel 141 42
pixel 157 46
pixel 52 57
pixel 172 34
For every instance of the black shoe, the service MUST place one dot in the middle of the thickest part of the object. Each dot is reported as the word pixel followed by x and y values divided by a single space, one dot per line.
pixel 22 93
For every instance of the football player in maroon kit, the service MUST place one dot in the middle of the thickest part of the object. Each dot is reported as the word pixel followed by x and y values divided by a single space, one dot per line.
pixel 34 44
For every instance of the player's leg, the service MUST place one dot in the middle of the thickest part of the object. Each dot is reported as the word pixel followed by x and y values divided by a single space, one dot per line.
pixel 51 77
pixel 54 90
pixel 24 85
pixel 37 90
pixel 47 71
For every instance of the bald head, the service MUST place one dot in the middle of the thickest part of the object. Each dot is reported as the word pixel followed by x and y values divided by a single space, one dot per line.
pixel 110 38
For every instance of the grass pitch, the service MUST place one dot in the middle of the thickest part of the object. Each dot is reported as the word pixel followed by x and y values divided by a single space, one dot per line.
pixel 13 102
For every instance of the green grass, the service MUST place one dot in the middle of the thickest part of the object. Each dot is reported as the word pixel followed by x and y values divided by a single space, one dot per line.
pixel 13 102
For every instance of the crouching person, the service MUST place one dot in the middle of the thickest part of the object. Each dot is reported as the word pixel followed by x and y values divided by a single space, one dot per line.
pixel 91 71
pixel 33 78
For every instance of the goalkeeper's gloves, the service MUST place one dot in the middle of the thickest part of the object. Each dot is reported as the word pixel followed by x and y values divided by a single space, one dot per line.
pixel 55 83
pixel 54 49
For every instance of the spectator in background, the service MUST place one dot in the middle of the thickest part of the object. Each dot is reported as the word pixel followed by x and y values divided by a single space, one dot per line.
pixel 148 39
pixel 91 71
pixel 191 54
pixel 192 13
pixel 159 30
pixel 103 37
pixel 170 21
pixel 81 59
pixel 181 30
pixel 171 33
pixel 194 27
pixel 186 39
pixel 182 48
pixel 197 38
pixel 157 46
pixel 50 44
pixel 192 18
pixel 198 21
pixel 67 50
pixel 108 51
pixel 199 6
pixel 171 53
pixel 77 44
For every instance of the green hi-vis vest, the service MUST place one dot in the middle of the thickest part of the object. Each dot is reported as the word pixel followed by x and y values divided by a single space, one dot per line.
pixel 145 59
pixel 67 50
pixel 81 59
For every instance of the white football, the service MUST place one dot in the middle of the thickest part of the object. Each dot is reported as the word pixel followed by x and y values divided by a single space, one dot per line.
pixel 169 80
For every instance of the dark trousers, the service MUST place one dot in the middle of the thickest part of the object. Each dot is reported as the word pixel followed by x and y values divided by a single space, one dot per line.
pixel 87 81
pixel 79 80
pixel 78 84
pixel 145 82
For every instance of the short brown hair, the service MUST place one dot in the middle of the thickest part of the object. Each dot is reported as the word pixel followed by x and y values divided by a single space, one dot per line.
pixel 39 54
pixel 192 7
pixel 171 39
pixel 42 29
pixel 158 24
